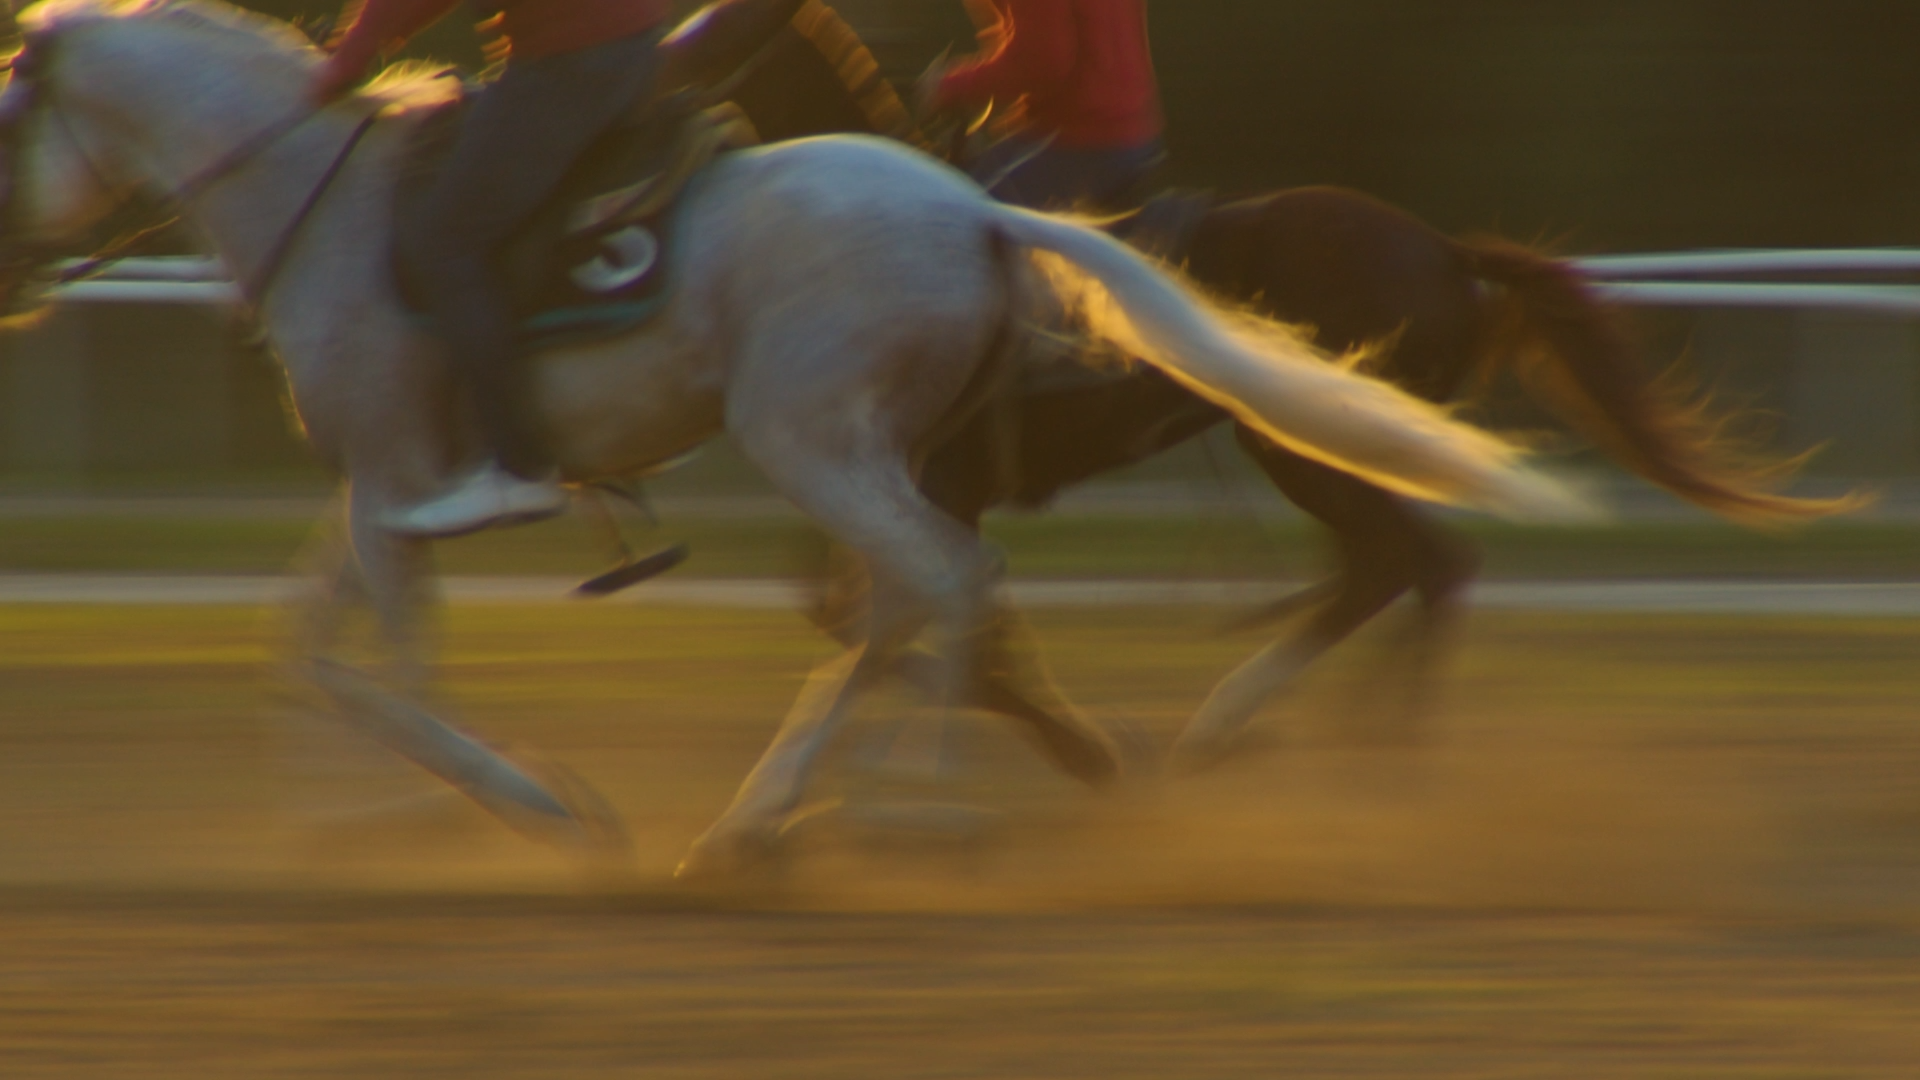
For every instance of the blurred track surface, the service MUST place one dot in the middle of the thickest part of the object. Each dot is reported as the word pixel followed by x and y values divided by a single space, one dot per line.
pixel 1881 598
pixel 1628 846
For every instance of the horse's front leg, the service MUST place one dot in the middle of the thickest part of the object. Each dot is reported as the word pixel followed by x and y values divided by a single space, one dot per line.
pixel 332 589
pixel 340 777
pixel 393 573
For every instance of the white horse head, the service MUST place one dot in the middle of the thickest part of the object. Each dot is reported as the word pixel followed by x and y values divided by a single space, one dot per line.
pixel 52 189
pixel 92 77
pixel 110 97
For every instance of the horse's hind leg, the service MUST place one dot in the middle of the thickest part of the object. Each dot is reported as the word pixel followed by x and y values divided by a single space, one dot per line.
pixel 1395 709
pixel 962 478
pixel 1010 679
pixel 1380 542
pixel 924 567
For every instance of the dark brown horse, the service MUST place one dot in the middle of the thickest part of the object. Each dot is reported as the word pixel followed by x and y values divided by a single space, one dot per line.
pixel 1453 313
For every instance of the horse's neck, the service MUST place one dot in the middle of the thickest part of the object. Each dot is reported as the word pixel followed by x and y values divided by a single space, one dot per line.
pixel 252 212
pixel 188 120
pixel 329 309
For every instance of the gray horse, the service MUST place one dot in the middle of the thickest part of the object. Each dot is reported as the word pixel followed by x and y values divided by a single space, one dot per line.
pixel 838 305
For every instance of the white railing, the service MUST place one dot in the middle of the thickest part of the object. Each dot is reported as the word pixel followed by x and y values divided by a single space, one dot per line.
pixel 172 279
pixel 1792 261
pixel 1630 279
pixel 1880 299
pixel 1648 279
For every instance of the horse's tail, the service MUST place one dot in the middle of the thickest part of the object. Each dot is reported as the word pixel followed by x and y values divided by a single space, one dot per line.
pixel 1277 383
pixel 1571 350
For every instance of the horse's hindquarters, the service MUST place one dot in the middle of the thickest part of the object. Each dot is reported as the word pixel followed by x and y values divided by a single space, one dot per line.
pixel 855 293
pixel 841 282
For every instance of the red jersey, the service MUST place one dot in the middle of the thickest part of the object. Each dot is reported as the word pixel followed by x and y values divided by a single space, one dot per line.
pixel 1082 68
pixel 534 28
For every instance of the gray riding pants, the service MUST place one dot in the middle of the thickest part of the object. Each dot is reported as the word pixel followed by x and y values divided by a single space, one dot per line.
pixel 1026 172
pixel 517 142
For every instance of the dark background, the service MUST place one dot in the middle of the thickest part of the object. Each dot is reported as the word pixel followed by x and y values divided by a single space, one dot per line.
pixel 1612 125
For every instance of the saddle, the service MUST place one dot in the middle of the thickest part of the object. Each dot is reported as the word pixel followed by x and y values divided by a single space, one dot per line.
pixel 592 261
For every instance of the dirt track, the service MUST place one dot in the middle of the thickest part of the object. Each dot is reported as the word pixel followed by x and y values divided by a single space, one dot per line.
pixel 1665 596
pixel 1637 847
pixel 219 987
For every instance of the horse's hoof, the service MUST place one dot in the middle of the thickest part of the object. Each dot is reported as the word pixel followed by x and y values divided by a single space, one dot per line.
pixel 717 856
pixel 589 826
pixel 601 832
pixel 1102 754
pixel 1135 754
pixel 1193 755
pixel 1098 763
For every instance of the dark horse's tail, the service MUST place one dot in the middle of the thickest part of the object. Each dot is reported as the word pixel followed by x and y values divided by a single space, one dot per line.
pixel 1571 350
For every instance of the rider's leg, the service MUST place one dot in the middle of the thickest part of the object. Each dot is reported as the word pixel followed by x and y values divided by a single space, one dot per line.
pixel 521 137
pixel 1025 173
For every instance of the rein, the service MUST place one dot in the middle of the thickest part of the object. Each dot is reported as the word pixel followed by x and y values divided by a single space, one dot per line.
pixel 194 186
pixel 255 290
pixel 269 268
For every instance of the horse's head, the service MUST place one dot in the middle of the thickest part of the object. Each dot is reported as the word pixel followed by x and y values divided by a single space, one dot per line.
pixel 51 187
pixel 82 111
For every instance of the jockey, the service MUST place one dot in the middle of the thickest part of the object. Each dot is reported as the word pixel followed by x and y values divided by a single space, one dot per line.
pixel 1077 77
pixel 576 66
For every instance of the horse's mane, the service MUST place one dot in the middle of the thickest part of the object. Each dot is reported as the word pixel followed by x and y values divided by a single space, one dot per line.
pixel 858 71
pixel 408 84
pixel 414 84
pixel 51 15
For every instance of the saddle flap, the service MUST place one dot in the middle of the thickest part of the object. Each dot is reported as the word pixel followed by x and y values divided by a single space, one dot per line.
pixel 705 135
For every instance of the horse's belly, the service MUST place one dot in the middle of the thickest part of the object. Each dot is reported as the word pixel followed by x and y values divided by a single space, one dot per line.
pixel 614 410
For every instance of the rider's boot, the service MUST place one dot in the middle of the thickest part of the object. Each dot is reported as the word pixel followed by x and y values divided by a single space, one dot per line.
pixel 486 497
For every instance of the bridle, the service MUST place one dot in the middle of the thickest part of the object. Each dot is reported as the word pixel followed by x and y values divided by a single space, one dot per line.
pixel 25 91
pixel 31 93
